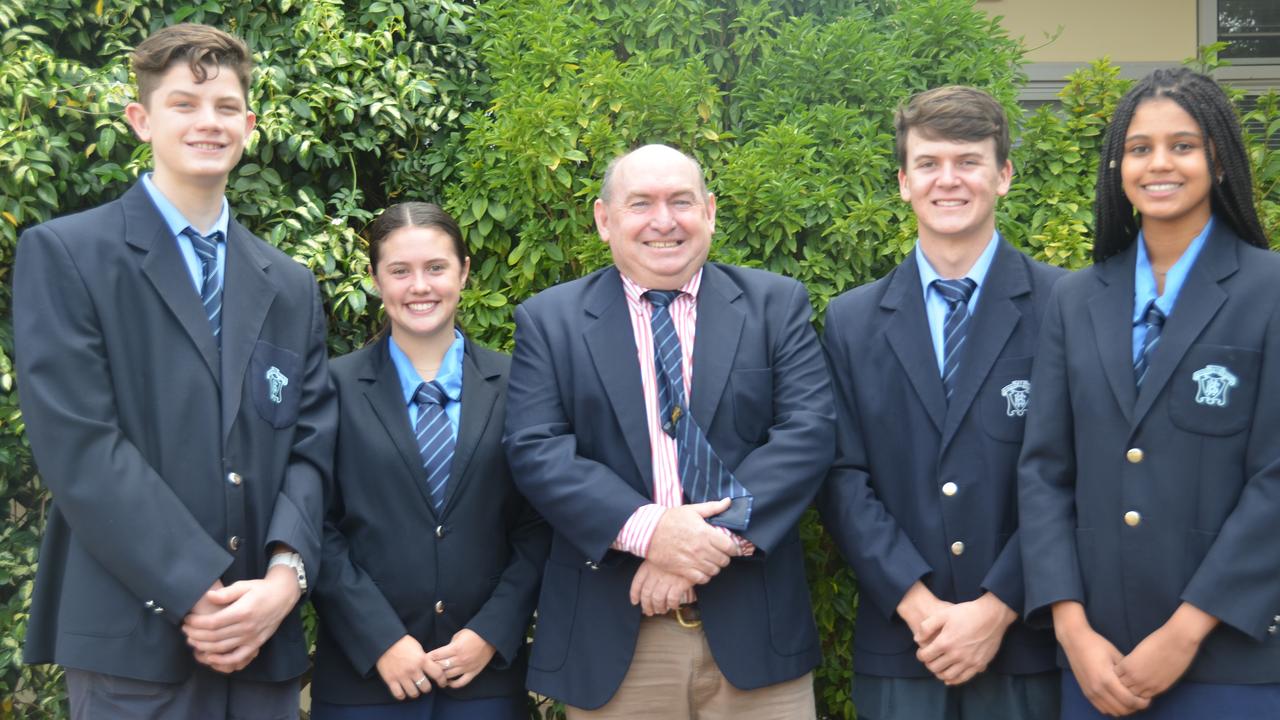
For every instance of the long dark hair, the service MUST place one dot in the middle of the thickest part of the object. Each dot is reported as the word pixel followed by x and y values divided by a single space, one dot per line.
pixel 1202 99
pixel 411 214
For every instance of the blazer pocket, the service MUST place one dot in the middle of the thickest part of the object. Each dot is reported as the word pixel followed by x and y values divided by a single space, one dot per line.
pixel 1005 399
pixel 275 381
pixel 552 631
pixel 1214 389
pixel 752 403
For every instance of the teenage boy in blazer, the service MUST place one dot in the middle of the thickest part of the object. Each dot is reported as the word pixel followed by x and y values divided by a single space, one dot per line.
pixel 180 411
pixel 931 365
pixel 598 452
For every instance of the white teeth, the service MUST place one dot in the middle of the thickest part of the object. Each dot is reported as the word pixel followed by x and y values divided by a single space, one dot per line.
pixel 422 306
pixel 662 245
pixel 1162 187
pixel 206 146
pixel 949 203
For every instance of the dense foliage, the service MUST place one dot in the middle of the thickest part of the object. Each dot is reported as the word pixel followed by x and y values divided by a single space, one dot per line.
pixel 506 113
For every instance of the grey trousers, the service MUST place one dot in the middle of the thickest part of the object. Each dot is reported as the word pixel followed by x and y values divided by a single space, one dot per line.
pixel 986 697
pixel 206 695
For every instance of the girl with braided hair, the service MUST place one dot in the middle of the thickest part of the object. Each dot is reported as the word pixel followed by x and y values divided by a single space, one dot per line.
pixel 1149 480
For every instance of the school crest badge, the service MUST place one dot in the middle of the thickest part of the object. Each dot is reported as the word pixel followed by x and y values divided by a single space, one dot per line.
pixel 1212 385
pixel 1018 395
pixel 277 381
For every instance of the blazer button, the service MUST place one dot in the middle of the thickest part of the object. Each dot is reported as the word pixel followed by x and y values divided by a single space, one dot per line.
pixel 234 478
pixel 149 604
pixel 949 489
pixel 439 531
pixel 439 607
pixel 234 543
pixel 1134 455
pixel 1271 630
pixel 592 565
pixel 157 610
pixel 957 548
pixel 1132 518
pixel 1276 619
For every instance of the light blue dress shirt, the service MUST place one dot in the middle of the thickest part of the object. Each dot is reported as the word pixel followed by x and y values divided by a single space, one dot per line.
pixel 1144 283
pixel 177 223
pixel 449 376
pixel 935 305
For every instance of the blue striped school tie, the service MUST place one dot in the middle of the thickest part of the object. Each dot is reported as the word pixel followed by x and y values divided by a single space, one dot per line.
pixel 206 247
pixel 435 439
pixel 1153 318
pixel 703 475
pixel 955 327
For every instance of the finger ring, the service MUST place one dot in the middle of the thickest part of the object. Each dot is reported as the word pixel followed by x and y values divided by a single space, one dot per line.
pixel 418 683
pixel 446 664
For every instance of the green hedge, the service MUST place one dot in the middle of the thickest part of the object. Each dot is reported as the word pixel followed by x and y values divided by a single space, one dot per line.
pixel 506 112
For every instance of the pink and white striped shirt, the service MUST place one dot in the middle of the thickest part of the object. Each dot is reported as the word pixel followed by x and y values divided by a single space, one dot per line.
pixel 637 532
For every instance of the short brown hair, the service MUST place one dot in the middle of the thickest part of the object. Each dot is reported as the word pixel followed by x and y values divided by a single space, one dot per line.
pixel 200 46
pixel 953 112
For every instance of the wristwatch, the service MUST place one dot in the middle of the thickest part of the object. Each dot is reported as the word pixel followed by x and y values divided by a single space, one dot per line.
pixel 293 560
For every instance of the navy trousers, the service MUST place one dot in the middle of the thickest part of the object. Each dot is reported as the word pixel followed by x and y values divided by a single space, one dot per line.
pixel 432 706
pixel 1185 701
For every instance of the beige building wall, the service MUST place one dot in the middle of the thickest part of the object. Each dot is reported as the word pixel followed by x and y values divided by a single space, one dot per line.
pixel 1129 31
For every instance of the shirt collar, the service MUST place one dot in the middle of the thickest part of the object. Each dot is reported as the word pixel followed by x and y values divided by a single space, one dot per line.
pixel 1144 281
pixel 977 273
pixel 449 376
pixel 174 218
pixel 635 292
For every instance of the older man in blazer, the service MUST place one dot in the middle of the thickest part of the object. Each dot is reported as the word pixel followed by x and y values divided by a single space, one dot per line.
pixel 180 410
pixel 931 366
pixel 664 597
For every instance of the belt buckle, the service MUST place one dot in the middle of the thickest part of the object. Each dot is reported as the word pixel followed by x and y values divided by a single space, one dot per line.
pixel 691 624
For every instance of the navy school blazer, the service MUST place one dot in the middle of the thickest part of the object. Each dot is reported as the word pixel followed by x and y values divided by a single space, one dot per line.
pixel 171 465
pixel 393 566
pixel 925 491
pixel 579 450
pixel 1133 503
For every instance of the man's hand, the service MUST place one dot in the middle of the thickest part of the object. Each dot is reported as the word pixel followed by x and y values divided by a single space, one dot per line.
pixel 1093 661
pixel 965 637
pixel 248 615
pixel 463 658
pixel 407 670
pixel 916 605
pixel 685 544
pixel 1164 655
pixel 657 591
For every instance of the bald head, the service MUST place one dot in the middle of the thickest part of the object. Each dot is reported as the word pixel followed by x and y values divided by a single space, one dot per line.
pixel 648 155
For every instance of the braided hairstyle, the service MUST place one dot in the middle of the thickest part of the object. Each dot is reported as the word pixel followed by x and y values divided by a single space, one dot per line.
pixel 1202 99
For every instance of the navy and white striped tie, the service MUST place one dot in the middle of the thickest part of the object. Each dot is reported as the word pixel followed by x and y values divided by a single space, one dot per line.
pixel 435 439
pixel 703 475
pixel 206 247
pixel 1153 318
pixel 955 326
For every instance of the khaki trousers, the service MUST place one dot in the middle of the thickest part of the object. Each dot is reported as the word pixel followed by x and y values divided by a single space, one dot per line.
pixel 673 677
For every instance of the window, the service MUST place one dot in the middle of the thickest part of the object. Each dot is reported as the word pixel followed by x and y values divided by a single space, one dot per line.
pixel 1252 27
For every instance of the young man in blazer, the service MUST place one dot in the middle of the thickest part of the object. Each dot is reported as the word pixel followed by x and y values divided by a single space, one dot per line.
pixel 931 366
pixel 177 401
pixel 675 586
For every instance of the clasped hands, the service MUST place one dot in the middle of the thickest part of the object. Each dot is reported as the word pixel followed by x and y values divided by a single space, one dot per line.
pixel 955 641
pixel 229 624
pixel 409 670
pixel 684 551
pixel 1118 684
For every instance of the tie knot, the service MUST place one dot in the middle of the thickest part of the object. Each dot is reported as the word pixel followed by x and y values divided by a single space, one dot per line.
pixel 206 246
pixel 430 394
pixel 1154 316
pixel 661 298
pixel 956 291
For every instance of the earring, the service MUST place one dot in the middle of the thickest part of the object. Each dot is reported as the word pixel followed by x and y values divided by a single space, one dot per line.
pixel 1112 165
pixel 1221 177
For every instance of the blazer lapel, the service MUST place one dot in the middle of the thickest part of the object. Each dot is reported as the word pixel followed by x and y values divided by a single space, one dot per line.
pixel 480 384
pixel 1112 313
pixel 382 390
pixel 993 322
pixel 908 334
pixel 247 294
pixel 612 347
pixel 1198 301
pixel 719 327
pixel 146 230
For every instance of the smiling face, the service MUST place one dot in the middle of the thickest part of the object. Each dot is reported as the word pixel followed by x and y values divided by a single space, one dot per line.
pixel 657 219
pixel 197 130
pixel 420 279
pixel 952 187
pixel 1164 171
